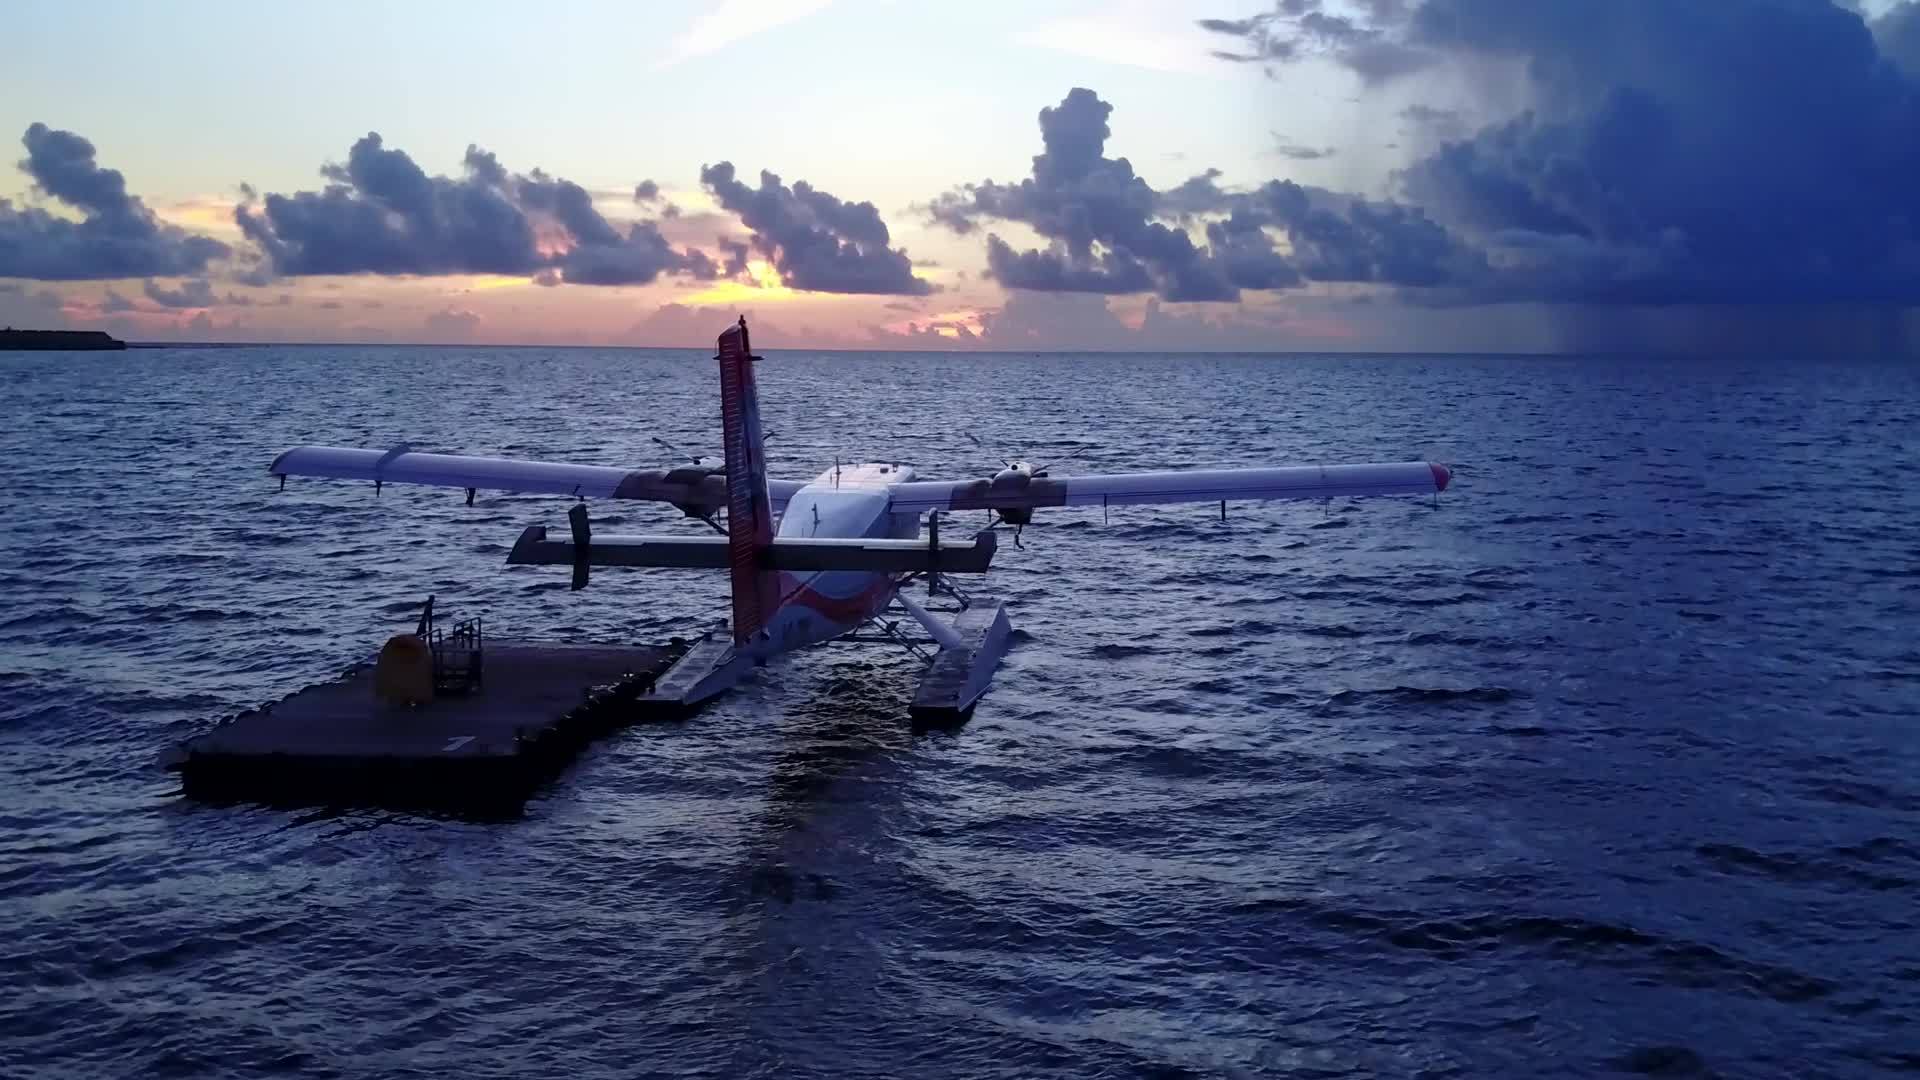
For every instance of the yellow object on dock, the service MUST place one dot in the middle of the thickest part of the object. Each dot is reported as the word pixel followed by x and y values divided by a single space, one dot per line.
pixel 403 672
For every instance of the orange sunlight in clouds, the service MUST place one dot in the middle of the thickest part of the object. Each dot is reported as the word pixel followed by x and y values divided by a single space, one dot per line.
pixel 964 317
pixel 207 214
pixel 947 324
pixel 489 282
pixel 766 286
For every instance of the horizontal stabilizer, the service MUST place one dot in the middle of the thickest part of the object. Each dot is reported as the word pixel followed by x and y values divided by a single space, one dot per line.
pixel 793 554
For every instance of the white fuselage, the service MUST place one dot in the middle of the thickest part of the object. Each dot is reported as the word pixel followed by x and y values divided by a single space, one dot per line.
pixel 845 502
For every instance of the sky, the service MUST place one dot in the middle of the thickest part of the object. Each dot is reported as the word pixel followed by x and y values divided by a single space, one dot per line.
pixel 1270 175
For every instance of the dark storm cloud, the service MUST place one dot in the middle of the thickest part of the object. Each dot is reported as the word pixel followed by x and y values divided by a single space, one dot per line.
pixel 117 235
pixel 1053 271
pixel 382 214
pixel 1348 239
pixel 1099 216
pixel 737 253
pixel 1195 195
pixel 1240 243
pixel 1734 152
pixel 815 241
pixel 1109 229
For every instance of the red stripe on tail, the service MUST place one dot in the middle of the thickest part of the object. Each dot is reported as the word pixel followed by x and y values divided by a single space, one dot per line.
pixel 749 514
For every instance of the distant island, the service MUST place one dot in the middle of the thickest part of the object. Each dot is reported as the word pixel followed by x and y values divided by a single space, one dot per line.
pixel 90 340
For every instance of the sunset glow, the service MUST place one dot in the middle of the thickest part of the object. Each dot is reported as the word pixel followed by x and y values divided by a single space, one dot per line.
pixel 764 287
pixel 1253 176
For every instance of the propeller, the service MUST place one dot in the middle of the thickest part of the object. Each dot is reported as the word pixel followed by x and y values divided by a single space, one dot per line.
pixel 697 470
pixel 676 451
pixel 1019 470
pixel 698 467
pixel 1013 478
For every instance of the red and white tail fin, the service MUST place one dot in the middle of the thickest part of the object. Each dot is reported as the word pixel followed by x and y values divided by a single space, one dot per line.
pixel 749 516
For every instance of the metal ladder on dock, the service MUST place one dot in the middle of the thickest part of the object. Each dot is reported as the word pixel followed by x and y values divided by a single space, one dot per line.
pixel 459 654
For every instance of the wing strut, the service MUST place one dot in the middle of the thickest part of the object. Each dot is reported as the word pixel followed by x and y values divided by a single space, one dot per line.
pixel 582 544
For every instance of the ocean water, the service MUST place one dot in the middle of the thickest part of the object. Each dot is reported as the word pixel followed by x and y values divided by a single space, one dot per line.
pixel 1602 763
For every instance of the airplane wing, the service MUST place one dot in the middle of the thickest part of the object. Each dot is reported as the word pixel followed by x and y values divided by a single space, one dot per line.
pixel 1014 491
pixel 692 487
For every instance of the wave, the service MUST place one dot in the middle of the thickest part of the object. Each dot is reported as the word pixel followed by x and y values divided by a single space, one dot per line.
pixel 1675 961
pixel 1417 695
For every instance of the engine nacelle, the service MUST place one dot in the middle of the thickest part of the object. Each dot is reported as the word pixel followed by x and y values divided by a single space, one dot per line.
pixel 1012 480
pixel 1015 476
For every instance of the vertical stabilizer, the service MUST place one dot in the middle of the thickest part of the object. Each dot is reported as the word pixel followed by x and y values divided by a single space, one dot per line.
pixel 749 515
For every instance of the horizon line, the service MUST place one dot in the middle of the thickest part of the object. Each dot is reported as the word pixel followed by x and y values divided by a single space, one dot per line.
pixel 856 349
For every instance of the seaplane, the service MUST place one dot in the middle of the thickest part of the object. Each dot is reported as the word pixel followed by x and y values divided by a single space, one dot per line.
pixel 830 559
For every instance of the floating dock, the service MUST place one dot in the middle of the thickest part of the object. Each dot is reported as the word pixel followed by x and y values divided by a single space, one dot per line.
pixel 339 743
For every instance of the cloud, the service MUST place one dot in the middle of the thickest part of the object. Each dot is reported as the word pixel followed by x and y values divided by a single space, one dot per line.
pixel 1098 215
pixel 601 254
pixel 1131 36
pixel 1662 158
pixel 1427 121
pixel 382 214
pixel 1112 233
pixel 1338 238
pixel 196 293
pixel 1195 195
pixel 1292 151
pixel 694 326
pixel 114 302
pixel 732 21
pixel 117 236
pixel 1898 34
pixel 38 309
pixel 687 326
pixel 815 241
pixel 455 324
pixel 1055 271
pixel 1365 43
pixel 1039 321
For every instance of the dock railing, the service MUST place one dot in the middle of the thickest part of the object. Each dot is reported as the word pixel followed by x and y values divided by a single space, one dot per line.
pixel 459 654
